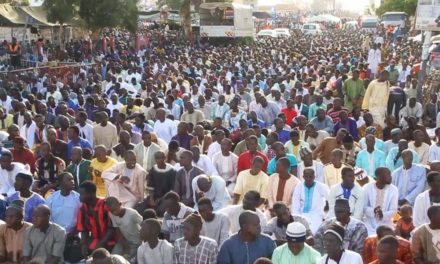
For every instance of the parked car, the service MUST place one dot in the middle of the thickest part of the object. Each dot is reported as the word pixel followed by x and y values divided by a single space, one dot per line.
pixel 311 29
pixel 282 32
pixel 267 33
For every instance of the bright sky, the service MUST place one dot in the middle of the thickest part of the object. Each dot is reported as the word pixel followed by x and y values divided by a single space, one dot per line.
pixel 355 5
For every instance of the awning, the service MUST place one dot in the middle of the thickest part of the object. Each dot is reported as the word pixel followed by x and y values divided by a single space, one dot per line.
pixel 38 13
pixel 11 16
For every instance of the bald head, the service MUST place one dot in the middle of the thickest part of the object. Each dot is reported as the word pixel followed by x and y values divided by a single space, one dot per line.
pixel 204 183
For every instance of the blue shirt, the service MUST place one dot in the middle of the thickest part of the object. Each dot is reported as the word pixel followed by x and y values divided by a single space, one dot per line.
pixel 82 143
pixel 389 161
pixel 283 136
pixel 236 251
pixel 260 123
pixel 308 197
pixel 377 160
pixel 378 144
pixel 326 124
pixel 410 182
pixel 272 166
pixel 29 205
pixel 64 209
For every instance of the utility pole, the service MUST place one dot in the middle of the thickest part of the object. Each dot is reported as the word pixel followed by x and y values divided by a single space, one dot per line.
pixel 426 38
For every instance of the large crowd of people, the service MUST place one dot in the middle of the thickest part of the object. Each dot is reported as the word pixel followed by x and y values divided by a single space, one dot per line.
pixel 308 149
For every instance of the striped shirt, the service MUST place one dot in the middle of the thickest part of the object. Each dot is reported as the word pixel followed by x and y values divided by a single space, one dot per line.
pixel 203 253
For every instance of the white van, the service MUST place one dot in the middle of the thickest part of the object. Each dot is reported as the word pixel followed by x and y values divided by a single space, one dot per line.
pixel 311 29
pixel 369 24
pixel 282 32
pixel 267 33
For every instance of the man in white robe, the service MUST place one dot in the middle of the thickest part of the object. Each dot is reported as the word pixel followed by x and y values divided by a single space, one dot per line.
pixel 426 199
pixel 309 199
pixel 126 181
pixel 347 190
pixel 374 58
pixel 376 98
pixel 213 188
pixel 381 200
pixel 410 179
pixel 225 162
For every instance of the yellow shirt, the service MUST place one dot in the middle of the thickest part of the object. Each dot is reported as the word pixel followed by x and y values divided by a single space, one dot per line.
pixel 97 169
pixel 135 109
pixel 376 96
pixel 247 182
pixel 332 175
pixel 8 121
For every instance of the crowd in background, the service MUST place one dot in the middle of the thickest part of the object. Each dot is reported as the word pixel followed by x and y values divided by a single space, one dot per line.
pixel 308 149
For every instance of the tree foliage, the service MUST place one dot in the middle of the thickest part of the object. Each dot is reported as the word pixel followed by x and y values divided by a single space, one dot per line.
pixel 407 6
pixel 98 14
pixel 60 11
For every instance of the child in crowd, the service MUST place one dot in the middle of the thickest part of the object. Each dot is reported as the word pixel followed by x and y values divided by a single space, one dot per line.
pixel 153 250
pixel 404 225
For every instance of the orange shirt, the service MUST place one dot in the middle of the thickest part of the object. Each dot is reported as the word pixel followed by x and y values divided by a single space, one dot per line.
pixel 403 252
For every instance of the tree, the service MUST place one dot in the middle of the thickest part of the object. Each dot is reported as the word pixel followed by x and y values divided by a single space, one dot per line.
pixel 98 14
pixel 62 12
pixel 407 6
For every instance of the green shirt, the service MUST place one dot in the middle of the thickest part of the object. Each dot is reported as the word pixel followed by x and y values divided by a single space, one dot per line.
pixel 283 255
pixel 353 90
pixel 80 172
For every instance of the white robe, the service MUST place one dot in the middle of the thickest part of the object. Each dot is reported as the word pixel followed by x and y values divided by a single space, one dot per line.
pixel 356 200
pixel 316 214
pixel 317 166
pixel 420 211
pixel 389 206
pixel 29 135
pixel 374 58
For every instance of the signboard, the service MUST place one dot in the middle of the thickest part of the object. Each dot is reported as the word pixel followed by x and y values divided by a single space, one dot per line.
pixel 217 31
pixel 428 15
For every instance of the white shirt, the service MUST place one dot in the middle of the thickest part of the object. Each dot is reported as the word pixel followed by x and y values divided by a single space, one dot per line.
pixel 165 130
pixel 7 178
pixel 112 107
pixel 162 254
pixel 206 165
pixel 348 257
pixel 218 193
pixel 86 132
pixel 213 149
pixel 226 165
pixel 6 104
pixel 233 213
pixel 434 152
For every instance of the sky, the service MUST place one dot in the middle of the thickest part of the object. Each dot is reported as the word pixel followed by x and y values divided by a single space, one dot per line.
pixel 354 5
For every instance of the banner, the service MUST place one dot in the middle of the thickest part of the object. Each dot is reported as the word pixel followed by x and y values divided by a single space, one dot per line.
pixel 428 15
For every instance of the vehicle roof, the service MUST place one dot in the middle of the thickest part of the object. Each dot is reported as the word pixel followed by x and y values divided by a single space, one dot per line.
pixel 394 13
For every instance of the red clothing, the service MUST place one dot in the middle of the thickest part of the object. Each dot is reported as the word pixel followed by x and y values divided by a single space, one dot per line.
pixel 245 160
pixel 377 262
pixel 404 253
pixel 290 114
pixel 26 157
pixel 96 222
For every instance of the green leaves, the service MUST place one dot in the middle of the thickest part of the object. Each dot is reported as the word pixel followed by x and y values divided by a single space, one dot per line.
pixel 96 14
pixel 60 11
pixel 407 6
